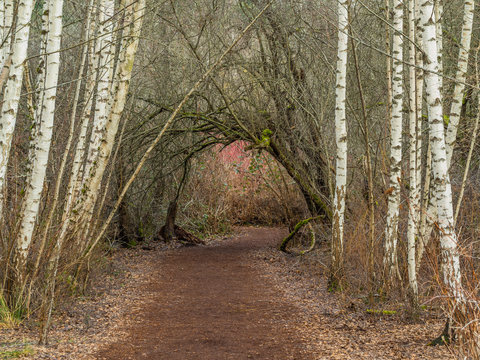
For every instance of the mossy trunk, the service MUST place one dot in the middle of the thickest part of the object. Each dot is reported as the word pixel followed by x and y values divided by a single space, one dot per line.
pixel 283 245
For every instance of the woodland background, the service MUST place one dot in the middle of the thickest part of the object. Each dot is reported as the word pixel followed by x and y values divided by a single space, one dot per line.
pixel 100 147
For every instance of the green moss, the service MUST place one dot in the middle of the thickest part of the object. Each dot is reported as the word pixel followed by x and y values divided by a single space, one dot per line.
pixel 382 312
pixel 15 354
pixel 446 119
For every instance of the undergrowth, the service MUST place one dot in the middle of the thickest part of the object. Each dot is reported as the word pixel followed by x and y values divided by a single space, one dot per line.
pixel 9 318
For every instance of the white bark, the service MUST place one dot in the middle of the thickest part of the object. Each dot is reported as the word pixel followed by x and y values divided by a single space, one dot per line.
pixel 105 66
pixel 2 24
pixel 341 138
pixel 58 184
pixel 2 35
pixel 6 21
pixel 414 191
pixel 105 54
pixel 443 193
pixel 70 213
pixel 39 95
pixel 455 110
pixel 54 260
pixel 13 89
pixel 391 232
pixel 119 94
pixel 438 11
pixel 34 189
pixel 419 113
pixel 460 76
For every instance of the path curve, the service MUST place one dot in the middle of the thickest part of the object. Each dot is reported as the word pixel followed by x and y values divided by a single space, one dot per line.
pixel 211 303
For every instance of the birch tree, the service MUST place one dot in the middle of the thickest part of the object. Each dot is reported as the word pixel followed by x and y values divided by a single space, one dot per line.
pixel 31 202
pixel 13 89
pixel 443 191
pixel 6 22
pixel 105 66
pixel 413 217
pixel 391 232
pixel 458 92
pixel 134 19
pixel 341 142
pixel 438 15
pixel 455 109
pixel 70 213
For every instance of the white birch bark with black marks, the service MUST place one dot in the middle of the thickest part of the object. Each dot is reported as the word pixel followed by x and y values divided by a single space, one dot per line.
pixel 71 212
pixel 58 185
pixel 454 119
pixel 39 95
pixel 13 89
pixel 443 191
pixel 413 213
pixel 6 23
pixel 105 69
pixel 391 231
pixel 31 202
pixel 341 143
pixel 460 77
pixel 438 11
pixel 134 19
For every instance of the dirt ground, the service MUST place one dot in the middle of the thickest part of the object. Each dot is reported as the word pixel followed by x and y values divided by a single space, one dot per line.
pixel 238 298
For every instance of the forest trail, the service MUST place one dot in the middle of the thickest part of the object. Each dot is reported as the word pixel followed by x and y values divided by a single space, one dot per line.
pixel 212 303
pixel 240 298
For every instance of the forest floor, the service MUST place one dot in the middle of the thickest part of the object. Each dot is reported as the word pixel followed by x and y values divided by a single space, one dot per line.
pixel 237 298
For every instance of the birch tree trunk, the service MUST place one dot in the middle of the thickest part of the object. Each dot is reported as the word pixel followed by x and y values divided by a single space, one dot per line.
pixel 53 263
pixel 391 231
pixel 70 212
pixel 455 111
pixel 341 142
pixel 105 66
pixel 31 202
pixel 134 18
pixel 56 196
pixel 438 11
pixel 2 32
pixel 13 89
pixel 104 54
pixel 423 202
pixel 6 22
pixel 456 106
pixel 413 191
pixel 39 94
pixel 443 193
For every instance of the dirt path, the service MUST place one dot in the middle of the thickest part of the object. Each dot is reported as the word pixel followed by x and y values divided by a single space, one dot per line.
pixel 210 303
pixel 237 298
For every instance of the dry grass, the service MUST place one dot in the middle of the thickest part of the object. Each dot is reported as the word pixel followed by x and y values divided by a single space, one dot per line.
pixel 250 189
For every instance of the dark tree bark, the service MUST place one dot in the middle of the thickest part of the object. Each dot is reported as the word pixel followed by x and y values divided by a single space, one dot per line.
pixel 168 230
